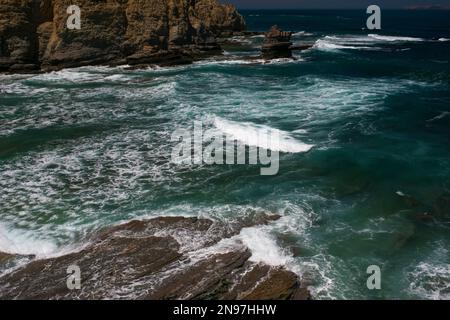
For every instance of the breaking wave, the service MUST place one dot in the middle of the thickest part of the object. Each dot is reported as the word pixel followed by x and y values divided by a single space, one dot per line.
pixel 373 42
pixel 395 38
pixel 264 247
pixel 261 136
pixel 329 46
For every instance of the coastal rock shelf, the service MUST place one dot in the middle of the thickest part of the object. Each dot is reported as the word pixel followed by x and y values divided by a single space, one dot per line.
pixel 34 36
pixel 161 258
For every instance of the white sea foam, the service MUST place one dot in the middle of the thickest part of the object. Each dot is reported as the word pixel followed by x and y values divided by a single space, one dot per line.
pixel 350 39
pixel 261 136
pixel 430 281
pixel 335 43
pixel 71 75
pixel 429 278
pixel 241 40
pixel 329 46
pixel 440 116
pixel 77 183
pixel 263 247
pixel 228 62
pixel 395 38
pixel 17 242
pixel 443 39
pixel 301 33
pixel 72 110
pixel 283 60
pixel 83 75
pixel 355 42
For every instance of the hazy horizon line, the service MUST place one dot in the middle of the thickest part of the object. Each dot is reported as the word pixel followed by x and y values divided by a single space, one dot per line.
pixel 325 9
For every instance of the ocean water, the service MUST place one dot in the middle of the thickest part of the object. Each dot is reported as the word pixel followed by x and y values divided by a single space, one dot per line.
pixel 366 116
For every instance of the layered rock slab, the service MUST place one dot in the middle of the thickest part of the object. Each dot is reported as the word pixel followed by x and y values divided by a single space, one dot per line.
pixel 161 258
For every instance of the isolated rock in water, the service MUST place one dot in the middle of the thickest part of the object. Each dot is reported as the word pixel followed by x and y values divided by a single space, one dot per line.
pixel 161 258
pixel 277 44
pixel 33 33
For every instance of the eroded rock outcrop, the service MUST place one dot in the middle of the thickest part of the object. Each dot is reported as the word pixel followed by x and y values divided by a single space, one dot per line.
pixel 277 44
pixel 34 35
pixel 161 258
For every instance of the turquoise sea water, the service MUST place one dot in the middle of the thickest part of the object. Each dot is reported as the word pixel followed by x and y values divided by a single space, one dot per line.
pixel 84 148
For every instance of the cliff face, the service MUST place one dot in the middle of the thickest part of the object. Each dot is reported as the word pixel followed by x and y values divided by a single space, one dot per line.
pixel 33 33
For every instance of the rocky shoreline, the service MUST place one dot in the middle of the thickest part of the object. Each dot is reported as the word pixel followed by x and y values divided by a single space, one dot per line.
pixel 161 258
pixel 34 36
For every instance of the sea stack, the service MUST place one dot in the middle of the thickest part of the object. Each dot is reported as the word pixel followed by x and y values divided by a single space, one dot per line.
pixel 277 44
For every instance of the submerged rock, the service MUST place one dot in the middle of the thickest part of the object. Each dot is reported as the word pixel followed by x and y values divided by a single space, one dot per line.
pixel 438 211
pixel 33 33
pixel 441 207
pixel 161 258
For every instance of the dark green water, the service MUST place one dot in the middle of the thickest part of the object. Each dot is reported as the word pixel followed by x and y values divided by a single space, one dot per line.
pixel 88 147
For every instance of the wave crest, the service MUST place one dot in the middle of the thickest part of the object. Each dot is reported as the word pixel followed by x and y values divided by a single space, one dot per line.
pixel 261 136
pixel 395 38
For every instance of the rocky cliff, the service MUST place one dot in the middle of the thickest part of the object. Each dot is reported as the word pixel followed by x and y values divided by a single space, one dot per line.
pixel 34 34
